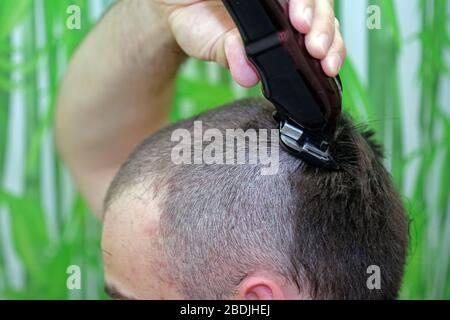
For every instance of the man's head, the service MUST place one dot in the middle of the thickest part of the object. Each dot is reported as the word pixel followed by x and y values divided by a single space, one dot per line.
pixel 220 231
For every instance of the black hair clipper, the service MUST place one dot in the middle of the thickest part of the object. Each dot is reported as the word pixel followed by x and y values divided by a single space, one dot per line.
pixel 308 102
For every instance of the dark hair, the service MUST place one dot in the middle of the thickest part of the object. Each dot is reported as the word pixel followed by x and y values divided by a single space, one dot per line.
pixel 319 229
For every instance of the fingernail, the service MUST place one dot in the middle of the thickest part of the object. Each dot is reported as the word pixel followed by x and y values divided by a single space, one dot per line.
pixel 308 16
pixel 334 62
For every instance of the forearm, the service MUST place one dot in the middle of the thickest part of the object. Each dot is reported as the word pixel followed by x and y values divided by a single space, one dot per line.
pixel 117 91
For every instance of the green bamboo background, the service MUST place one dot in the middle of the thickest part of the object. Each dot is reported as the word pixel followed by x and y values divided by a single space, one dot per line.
pixel 44 224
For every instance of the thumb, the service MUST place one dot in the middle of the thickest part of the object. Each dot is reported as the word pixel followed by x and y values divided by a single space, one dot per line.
pixel 233 57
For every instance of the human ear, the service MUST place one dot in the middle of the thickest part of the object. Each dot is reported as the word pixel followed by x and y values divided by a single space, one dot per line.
pixel 260 288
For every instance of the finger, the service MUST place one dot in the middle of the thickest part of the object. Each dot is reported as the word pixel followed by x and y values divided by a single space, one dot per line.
pixel 333 61
pixel 241 69
pixel 301 13
pixel 320 38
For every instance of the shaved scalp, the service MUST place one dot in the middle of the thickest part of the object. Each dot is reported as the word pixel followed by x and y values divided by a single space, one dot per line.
pixel 319 229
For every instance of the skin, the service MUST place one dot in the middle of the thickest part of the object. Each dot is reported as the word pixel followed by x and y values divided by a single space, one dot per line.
pixel 117 91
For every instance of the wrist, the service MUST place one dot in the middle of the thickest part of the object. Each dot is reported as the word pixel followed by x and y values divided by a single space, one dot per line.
pixel 153 41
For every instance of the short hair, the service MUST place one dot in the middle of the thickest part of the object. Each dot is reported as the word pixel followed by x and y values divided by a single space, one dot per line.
pixel 319 229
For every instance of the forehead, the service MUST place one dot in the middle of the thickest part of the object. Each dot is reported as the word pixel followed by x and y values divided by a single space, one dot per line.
pixel 131 247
